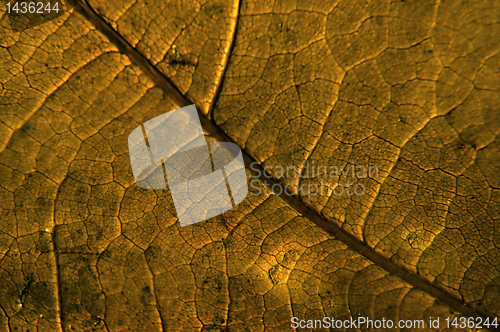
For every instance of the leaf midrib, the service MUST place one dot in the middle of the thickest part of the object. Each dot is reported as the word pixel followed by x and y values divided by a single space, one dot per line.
pixel 211 128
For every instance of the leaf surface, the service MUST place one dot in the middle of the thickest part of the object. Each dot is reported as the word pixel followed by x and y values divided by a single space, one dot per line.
pixel 403 86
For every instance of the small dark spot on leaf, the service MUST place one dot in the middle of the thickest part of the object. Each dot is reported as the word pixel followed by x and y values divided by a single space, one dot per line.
pixel 218 284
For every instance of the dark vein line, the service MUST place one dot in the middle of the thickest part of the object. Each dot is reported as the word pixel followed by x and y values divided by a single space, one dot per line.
pixel 57 271
pixel 377 194
pixel 7 318
pixel 56 259
pixel 163 324
pixel 228 317
pixel 210 128
pixel 103 318
pixel 225 63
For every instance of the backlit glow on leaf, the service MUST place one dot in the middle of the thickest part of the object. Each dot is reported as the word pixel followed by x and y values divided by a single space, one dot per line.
pixel 409 87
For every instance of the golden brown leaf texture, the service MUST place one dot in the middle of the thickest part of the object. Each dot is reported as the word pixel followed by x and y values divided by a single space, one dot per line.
pixel 411 88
